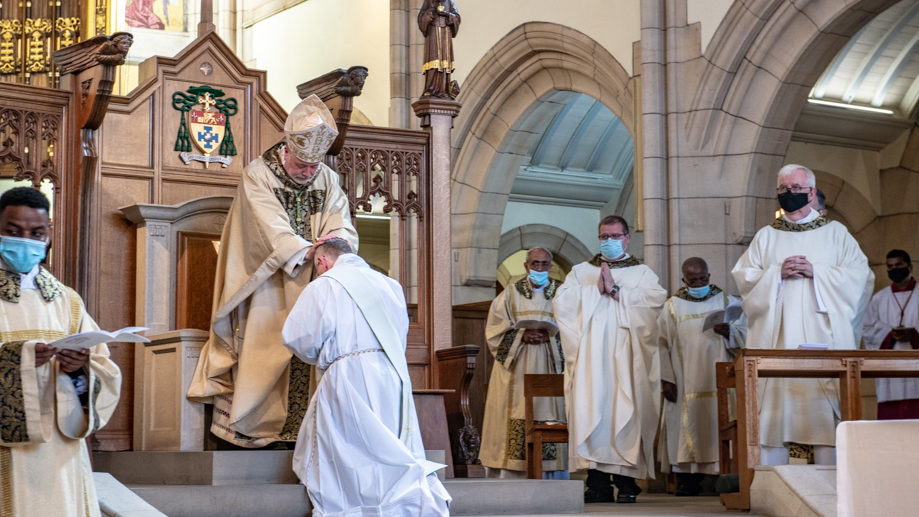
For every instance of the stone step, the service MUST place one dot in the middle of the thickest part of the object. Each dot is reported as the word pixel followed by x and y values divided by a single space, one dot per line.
pixel 245 483
pixel 227 500
pixel 470 497
pixel 219 468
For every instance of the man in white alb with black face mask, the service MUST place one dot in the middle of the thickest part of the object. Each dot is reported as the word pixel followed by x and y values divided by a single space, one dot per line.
pixel 804 279
pixel 607 316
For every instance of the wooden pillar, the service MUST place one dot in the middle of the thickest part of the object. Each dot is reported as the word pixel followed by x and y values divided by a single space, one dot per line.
pixel 437 118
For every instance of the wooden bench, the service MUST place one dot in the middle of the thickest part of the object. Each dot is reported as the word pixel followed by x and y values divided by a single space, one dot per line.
pixel 541 385
pixel 739 439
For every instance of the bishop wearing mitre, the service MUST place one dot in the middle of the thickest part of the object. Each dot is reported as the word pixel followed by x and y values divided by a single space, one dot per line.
pixel 607 316
pixel 688 440
pixel 287 201
pixel 803 280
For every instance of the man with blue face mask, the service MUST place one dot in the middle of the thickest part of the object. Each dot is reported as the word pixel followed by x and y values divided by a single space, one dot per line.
pixel 607 316
pixel 53 399
pixel 522 335
pixel 688 440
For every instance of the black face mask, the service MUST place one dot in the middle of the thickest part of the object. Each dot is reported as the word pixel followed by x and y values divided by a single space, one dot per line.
pixel 791 202
pixel 898 275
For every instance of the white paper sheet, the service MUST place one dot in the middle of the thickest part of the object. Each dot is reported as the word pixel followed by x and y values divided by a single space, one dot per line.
pixel 96 337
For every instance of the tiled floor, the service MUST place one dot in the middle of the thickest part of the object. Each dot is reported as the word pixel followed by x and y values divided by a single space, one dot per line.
pixel 657 504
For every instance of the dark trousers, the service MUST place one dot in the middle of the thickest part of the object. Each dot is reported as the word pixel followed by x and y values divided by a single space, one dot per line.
pixel 600 483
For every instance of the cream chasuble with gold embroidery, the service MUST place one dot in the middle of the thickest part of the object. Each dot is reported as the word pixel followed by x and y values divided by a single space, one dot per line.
pixel 44 463
pixel 503 429
pixel 688 440
pixel 259 394
pixel 783 313
pixel 612 367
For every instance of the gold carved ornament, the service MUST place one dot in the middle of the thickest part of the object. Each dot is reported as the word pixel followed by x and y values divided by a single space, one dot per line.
pixel 10 32
pixel 38 54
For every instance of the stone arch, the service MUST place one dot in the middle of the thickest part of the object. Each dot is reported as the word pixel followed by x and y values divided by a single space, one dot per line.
pixel 759 68
pixel 520 71
pixel 558 241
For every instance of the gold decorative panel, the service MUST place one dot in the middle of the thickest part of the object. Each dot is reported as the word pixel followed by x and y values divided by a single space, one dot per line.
pixel 31 31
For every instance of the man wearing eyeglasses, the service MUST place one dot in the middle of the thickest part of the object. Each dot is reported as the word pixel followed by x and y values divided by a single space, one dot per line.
pixel 804 279
pixel 607 316
pixel 523 337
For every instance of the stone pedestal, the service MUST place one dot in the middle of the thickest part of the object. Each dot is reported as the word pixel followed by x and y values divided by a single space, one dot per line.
pixel 437 118
pixel 164 420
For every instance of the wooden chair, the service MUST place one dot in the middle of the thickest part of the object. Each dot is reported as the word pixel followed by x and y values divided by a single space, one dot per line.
pixel 541 385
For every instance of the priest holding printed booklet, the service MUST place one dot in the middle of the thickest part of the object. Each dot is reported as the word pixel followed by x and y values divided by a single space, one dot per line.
pixel 804 279
pixel 52 398
pixel 688 440
pixel 607 316
pixel 523 337
pixel 287 201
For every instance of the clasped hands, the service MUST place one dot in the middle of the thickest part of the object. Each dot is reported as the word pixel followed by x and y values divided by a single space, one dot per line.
pixel 605 283
pixel 901 334
pixel 797 266
pixel 70 360
pixel 535 336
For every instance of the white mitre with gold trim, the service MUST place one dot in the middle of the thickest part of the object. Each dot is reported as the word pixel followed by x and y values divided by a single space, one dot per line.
pixel 310 130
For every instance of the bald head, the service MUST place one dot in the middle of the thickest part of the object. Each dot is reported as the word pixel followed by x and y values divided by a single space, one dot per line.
pixel 695 272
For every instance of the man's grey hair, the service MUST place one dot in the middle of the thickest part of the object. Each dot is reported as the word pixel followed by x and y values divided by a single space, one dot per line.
pixel 540 248
pixel 333 248
pixel 811 180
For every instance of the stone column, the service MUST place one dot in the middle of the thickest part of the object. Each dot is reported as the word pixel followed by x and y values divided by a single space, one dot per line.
pixel 437 118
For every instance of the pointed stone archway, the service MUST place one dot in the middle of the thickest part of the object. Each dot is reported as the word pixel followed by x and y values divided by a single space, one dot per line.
pixel 504 90
pixel 717 126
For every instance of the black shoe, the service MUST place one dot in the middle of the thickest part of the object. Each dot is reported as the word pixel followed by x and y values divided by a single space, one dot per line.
pixel 595 496
pixel 625 498
pixel 688 491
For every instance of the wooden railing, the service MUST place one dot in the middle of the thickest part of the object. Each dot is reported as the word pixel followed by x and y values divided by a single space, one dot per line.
pixel 740 438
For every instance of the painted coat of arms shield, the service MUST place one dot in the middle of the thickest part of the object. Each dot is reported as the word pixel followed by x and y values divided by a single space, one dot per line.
pixel 207 129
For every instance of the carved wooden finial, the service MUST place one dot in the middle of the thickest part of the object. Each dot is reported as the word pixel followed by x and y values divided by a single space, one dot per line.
pixel 207 18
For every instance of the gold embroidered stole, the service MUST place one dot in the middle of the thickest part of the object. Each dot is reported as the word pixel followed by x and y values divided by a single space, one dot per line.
pixel 788 226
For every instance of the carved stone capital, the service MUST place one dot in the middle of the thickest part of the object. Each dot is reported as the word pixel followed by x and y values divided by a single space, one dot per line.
pixel 428 106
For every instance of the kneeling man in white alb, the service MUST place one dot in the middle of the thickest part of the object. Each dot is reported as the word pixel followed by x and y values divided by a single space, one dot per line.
pixel 359 450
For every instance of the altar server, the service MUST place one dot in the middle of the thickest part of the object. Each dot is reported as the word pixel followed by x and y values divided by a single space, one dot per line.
pixel 892 323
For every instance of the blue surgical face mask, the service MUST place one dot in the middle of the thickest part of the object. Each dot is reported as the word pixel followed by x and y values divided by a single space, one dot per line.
pixel 22 255
pixel 611 248
pixel 539 277
pixel 698 292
